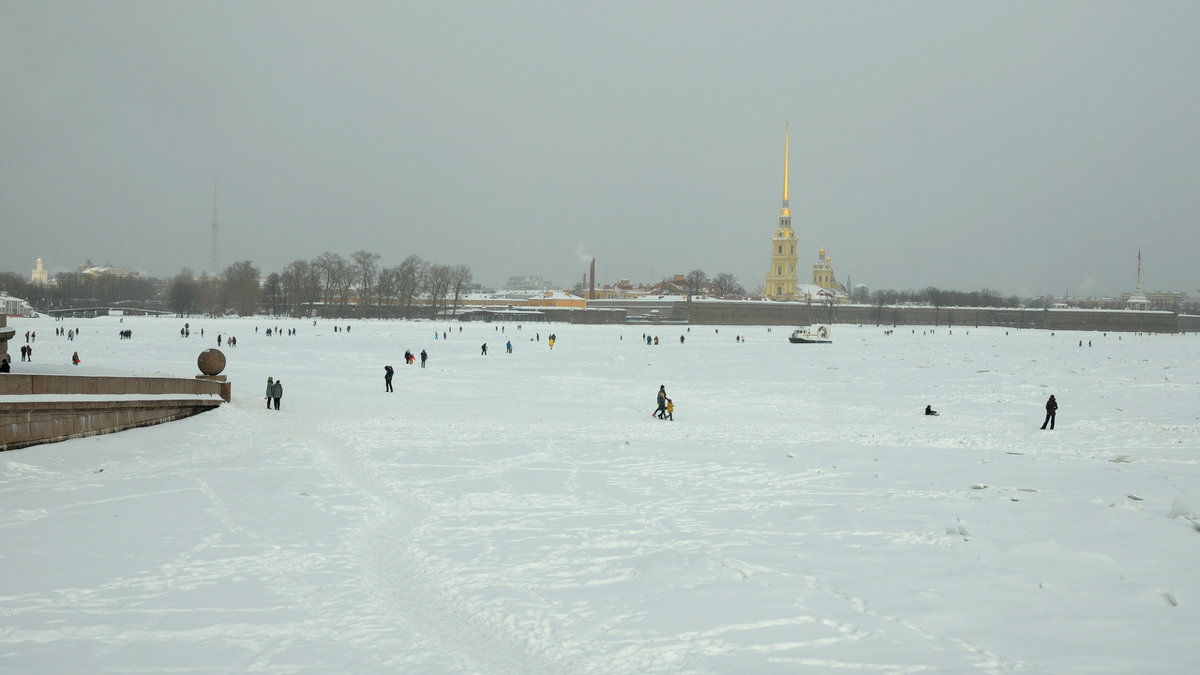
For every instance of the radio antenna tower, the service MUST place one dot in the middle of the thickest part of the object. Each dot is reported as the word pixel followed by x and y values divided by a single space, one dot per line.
pixel 213 266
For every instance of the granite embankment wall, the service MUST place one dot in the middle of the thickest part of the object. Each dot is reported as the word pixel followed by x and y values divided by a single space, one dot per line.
pixel 38 409
pixel 803 314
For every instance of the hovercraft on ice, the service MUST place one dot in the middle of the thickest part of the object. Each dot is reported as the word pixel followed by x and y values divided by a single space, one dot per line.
pixel 808 335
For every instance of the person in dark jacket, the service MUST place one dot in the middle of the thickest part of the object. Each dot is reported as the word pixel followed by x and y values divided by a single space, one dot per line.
pixel 929 410
pixel 661 411
pixel 424 358
pixel 277 392
pixel 270 391
pixel 387 377
pixel 1051 409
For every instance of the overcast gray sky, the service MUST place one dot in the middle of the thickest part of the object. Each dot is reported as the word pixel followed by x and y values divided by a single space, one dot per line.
pixel 1027 147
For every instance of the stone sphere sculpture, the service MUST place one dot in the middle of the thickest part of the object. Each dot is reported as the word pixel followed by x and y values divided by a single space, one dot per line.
pixel 211 362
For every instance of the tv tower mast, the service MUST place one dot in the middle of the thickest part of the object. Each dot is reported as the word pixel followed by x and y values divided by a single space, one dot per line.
pixel 213 266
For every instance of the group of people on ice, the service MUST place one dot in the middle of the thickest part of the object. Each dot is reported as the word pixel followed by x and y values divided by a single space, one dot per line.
pixel 409 359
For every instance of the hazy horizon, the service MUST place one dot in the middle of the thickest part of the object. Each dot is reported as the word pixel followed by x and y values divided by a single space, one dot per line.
pixel 1028 149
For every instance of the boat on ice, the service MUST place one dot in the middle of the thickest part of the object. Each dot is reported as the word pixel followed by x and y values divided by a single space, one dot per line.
pixel 809 335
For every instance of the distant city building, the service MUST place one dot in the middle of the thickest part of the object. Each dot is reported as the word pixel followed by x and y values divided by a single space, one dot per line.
pixel 782 278
pixel 1159 300
pixel 39 275
pixel 10 306
pixel 107 271
pixel 527 282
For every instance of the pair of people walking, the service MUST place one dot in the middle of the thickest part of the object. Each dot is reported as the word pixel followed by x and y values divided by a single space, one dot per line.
pixel 274 392
pixel 666 408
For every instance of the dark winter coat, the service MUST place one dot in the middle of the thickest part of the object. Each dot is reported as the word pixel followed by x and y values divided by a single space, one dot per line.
pixel 277 390
pixel 1051 405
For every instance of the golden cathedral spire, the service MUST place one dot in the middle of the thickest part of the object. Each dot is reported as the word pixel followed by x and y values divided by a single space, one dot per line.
pixel 782 279
pixel 785 211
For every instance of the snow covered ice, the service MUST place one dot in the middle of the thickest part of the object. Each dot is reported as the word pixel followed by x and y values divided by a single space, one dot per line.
pixel 524 513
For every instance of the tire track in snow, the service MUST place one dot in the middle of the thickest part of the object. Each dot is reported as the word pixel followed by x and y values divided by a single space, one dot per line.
pixel 415 586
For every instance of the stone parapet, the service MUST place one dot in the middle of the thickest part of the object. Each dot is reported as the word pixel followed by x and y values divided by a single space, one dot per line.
pixel 18 384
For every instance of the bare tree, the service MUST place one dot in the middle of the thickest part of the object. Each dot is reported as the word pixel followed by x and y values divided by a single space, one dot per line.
pixel 273 295
pixel 295 282
pixel 437 284
pixel 184 293
pixel 410 277
pixel 365 268
pixel 695 282
pixel 210 294
pixel 460 279
pixel 387 289
pixel 331 266
pixel 725 284
pixel 344 284
pixel 239 287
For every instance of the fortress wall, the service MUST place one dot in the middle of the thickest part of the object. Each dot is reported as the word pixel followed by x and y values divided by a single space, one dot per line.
pixel 803 314
pixel 753 313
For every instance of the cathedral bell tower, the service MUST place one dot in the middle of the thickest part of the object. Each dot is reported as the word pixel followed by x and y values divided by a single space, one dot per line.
pixel 783 277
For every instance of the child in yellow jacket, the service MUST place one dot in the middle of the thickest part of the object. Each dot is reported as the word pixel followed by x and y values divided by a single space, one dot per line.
pixel 670 410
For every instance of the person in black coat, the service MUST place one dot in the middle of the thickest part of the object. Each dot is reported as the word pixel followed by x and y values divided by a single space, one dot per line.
pixel 1051 409
pixel 929 410
pixel 387 377
pixel 277 392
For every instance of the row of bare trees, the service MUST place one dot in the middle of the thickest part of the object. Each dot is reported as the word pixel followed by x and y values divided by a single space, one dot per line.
pixel 330 285
pixel 724 284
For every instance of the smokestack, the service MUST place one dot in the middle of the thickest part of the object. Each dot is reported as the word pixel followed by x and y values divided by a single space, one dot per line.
pixel 592 286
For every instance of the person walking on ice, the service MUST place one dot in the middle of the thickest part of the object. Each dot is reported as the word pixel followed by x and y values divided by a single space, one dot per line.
pixel 277 392
pixel 483 350
pixel 1051 409
pixel 670 410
